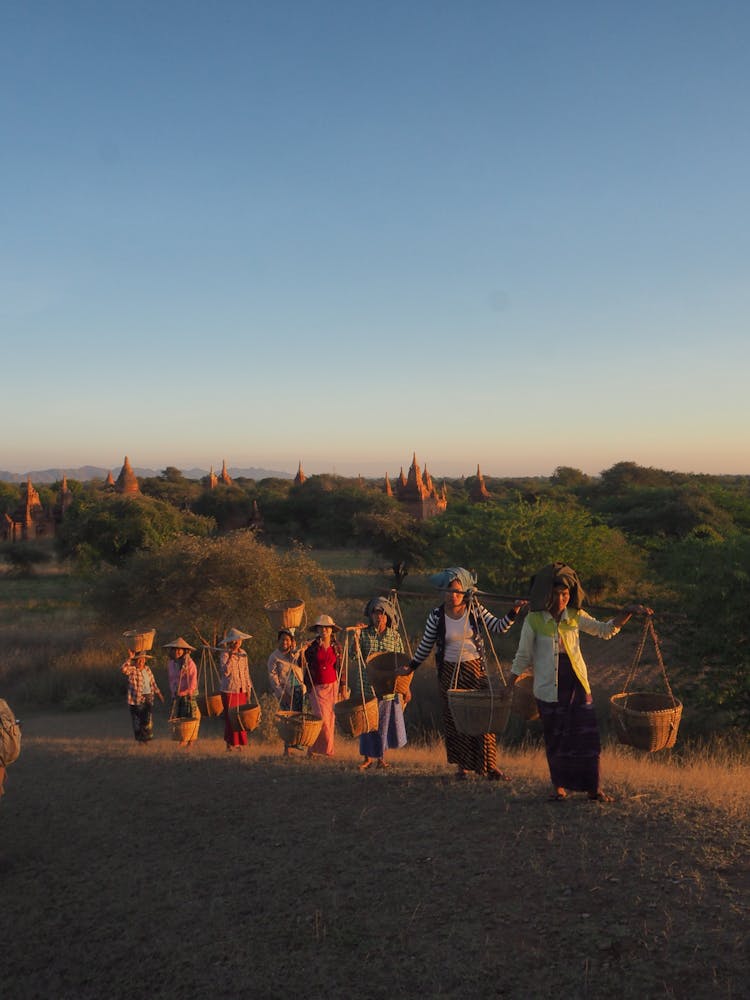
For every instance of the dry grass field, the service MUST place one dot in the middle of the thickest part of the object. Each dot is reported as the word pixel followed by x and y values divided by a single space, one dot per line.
pixel 133 871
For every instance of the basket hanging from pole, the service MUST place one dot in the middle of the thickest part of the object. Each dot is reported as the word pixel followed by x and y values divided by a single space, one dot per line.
pixel 355 717
pixel 244 718
pixel 523 703
pixel 209 697
pixel 646 720
pixel 381 673
pixel 479 711
pixel 210 704
pixel 285 614
pixel 185 730
pixel 298 729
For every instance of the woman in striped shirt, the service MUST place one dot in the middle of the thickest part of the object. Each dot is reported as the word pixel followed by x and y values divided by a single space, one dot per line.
pixel 453 629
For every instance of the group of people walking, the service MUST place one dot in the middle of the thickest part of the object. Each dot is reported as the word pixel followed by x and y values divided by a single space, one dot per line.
pixel 309 677
pixel 235 685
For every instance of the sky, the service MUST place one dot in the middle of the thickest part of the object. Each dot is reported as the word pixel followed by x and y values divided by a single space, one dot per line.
pixel 507 234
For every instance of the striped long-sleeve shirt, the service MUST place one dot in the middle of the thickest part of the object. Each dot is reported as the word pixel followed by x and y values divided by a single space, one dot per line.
pixel 436 618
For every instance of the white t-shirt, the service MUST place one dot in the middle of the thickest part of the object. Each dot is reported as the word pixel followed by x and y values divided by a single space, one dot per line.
pixel 459 640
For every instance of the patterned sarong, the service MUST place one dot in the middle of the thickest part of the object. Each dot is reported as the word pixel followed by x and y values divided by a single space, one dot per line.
pixel 142 717
pixel 571 734
pixel 471 753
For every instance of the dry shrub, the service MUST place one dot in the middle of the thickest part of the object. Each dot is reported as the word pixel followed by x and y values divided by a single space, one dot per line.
pixel 205 585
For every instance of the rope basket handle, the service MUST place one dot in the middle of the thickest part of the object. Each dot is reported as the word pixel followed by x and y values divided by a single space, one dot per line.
pixel 648 628
pixel 393 598
pixel 361 668
pixel 479 618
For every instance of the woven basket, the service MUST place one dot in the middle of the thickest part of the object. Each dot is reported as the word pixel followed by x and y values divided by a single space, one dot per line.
pixel 140 640
pixel 353 718
pixel 285 614
pixel 211 704
pixel 244 718
pixel 476 712
pixel 646 720
pixel 298 729
pixel 185 730
pixel 381 673
pixel 524 703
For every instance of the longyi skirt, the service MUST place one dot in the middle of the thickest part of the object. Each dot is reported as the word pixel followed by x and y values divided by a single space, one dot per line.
pixel 391 731
pixel 571 734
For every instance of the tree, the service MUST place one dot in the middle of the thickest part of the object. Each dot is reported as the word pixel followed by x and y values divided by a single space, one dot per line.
pixel 508 543
pixel 111 529
pixel 205 585
pixel 712 579
pixel 569 477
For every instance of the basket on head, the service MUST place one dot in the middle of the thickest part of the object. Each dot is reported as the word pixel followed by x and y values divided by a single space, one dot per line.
pixel 646 720
pixel 211 704
pixel 140 640
pixel 185 730
pixel 523 703
pixel 479 711
pixel 381 673
pixel 244 718
pixel 298 729
pixel 355 718
pixel 285 614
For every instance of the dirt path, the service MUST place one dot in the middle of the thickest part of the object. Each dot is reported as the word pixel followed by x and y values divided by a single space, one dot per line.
pixel 135 871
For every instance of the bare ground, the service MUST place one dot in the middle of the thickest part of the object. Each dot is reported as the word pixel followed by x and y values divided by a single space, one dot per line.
pixel 150 871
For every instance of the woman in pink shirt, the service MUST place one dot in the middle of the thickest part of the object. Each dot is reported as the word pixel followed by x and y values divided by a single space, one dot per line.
pixel 183 681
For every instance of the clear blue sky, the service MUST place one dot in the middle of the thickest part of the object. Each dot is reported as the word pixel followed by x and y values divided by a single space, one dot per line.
pixel 507 233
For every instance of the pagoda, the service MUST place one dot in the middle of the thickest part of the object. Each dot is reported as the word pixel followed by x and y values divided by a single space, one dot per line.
pixel 127 481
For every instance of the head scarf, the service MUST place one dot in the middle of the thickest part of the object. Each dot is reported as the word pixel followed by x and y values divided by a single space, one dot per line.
pixel 384 604
pixel 555 575
pixel 465 577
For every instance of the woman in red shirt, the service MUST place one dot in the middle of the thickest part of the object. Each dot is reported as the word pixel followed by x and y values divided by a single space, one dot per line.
pixel 322 659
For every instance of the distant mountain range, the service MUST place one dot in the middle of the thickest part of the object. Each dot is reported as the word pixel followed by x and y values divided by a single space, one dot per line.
pixel 86 472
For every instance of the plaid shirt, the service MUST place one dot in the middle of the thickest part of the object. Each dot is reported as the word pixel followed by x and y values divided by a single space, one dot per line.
pixel 135 676
pixel 371 641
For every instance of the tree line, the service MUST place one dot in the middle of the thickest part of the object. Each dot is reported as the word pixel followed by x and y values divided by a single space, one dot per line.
pixel 681 538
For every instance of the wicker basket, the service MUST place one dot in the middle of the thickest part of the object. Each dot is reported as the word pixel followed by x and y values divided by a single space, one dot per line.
pixel 185 730
pixel 524 703
pixel 381 673
pixel 298 729
pixel 646 720
pixel 285 614
pixel 140 640
pixel 354 718
pixel 210 704
pixel 244 718
pixel 476 712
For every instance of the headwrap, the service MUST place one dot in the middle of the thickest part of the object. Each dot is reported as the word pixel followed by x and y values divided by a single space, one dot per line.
pixel 465 577
pixel 555 575
pixel 385 605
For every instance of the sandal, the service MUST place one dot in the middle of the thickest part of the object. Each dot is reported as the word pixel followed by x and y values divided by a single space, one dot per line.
pixel 364 765
pixel 557 797
pixel 600 797
pixel 497 775
pixel 382 763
